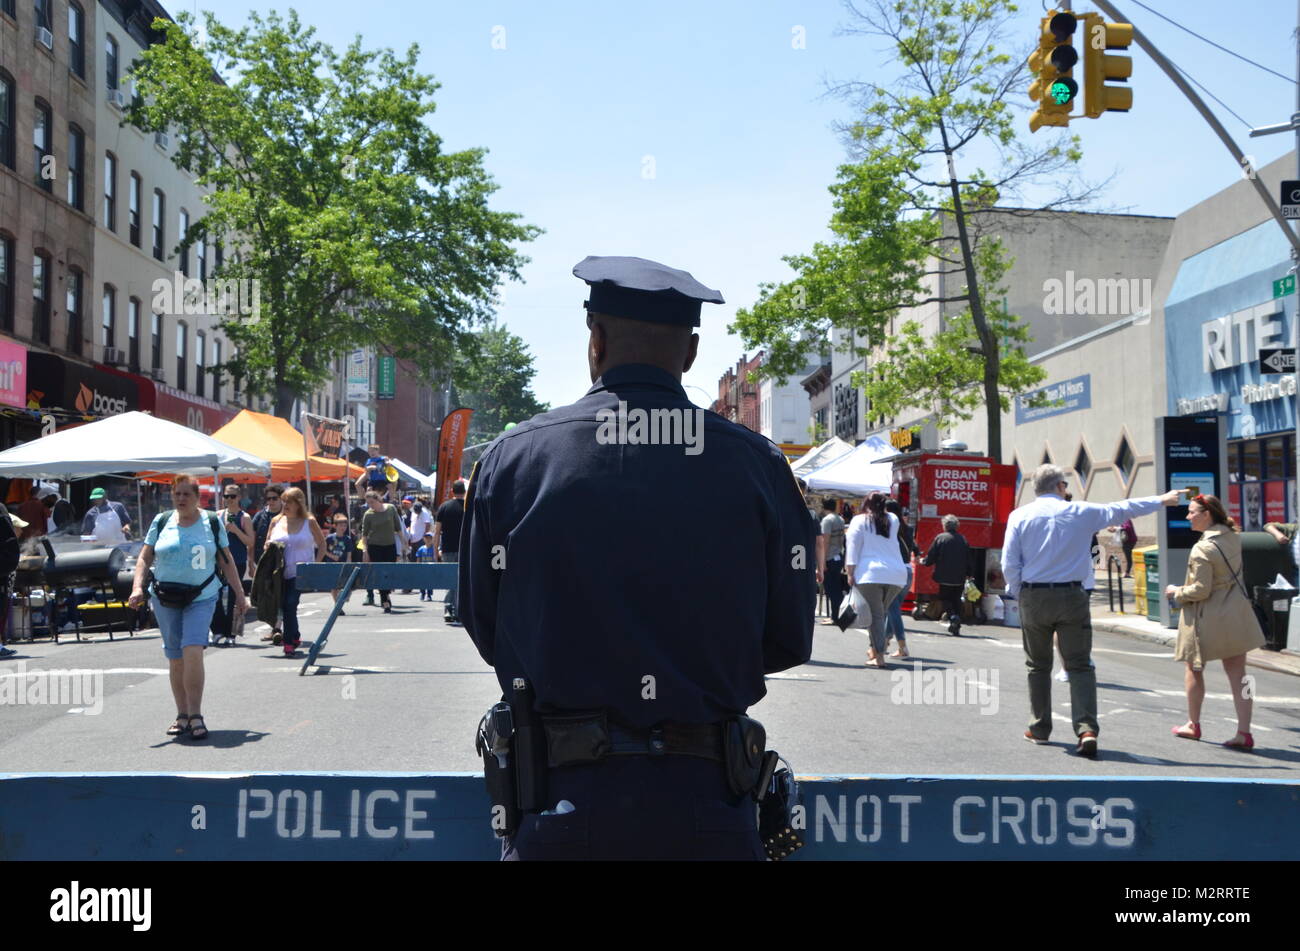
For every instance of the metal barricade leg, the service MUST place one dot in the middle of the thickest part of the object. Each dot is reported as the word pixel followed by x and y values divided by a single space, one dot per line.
pixel 312 654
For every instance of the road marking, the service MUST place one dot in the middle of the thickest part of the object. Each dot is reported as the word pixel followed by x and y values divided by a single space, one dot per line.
pixel 787 675
pixel 296 727
pixel 1112 650
pixel 63 671
pixel 400 630
pixel 364 670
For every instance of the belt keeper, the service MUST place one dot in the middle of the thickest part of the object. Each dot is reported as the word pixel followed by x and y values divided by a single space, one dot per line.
pixel 657 741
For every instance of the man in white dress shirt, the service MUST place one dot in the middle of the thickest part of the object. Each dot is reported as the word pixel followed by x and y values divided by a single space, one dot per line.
pixel 1047 561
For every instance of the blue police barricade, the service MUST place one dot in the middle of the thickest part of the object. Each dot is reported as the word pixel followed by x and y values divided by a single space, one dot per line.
pixel 446 816
pixel 329 575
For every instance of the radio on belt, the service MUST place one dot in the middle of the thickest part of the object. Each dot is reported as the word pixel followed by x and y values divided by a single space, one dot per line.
pixel 979 491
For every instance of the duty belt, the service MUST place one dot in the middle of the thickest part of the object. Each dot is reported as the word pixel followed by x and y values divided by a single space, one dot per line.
pixel 1052 584
pixel 579 738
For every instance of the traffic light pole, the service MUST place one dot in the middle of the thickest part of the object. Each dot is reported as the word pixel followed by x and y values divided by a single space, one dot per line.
pixel 1171 71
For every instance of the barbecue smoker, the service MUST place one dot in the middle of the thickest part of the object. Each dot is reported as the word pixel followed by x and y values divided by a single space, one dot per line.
pixel 63 573
pixel 979 491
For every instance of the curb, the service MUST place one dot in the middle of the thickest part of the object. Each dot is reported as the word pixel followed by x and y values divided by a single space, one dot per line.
pixel 1170 638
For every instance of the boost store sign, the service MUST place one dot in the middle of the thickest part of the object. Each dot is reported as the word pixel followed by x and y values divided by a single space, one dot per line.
pixel 55 383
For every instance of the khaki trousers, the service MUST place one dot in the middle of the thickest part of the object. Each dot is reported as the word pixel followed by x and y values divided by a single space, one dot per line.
pixel 1064 612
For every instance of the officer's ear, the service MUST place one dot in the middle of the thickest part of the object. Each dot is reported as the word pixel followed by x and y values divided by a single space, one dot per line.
pixel 691 352
pixel 597 346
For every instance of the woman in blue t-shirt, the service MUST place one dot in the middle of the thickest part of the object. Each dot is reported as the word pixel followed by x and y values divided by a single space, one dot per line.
pixel 185 549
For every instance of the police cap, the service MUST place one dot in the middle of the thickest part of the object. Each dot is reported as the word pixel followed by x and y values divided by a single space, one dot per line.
pixel 644 290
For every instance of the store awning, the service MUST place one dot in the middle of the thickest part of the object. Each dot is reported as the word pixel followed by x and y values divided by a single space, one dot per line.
pixel 273 438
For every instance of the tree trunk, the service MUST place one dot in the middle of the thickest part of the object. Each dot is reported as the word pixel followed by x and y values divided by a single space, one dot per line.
pixel 992 356
pixel 284 398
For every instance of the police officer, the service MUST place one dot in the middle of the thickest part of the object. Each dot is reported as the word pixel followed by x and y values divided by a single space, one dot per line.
pixel 640 563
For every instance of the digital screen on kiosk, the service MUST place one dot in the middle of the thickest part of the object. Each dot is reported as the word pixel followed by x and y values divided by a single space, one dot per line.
pixel 1192 463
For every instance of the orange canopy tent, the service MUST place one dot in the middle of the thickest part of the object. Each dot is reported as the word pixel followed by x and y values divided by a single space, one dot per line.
pixel 274 439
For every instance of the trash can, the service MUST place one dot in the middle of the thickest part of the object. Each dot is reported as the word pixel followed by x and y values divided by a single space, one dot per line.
pixel 1275 605
pixel 1140 577
pixel 1152 560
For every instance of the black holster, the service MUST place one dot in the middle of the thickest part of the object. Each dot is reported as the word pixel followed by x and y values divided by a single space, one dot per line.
pixel 744 742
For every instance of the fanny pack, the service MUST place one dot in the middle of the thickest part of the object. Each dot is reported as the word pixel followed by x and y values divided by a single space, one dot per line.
pixel 173 594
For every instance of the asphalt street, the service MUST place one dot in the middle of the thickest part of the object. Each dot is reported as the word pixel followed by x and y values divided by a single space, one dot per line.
pixel 404 692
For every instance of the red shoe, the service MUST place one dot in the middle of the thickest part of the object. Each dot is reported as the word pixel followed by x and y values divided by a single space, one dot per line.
pixel 1249 744
pixel 1194 735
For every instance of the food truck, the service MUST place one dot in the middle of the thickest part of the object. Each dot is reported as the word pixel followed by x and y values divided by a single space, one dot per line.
pixel 979 491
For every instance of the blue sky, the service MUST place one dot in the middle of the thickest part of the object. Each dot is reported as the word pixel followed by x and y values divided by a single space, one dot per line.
pixel 586 97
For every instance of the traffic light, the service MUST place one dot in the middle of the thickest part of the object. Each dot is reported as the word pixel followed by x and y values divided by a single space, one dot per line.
pixel 1053 88
pixel 1099 68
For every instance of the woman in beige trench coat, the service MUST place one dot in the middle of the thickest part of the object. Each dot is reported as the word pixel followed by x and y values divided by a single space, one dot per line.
pixel 1217 622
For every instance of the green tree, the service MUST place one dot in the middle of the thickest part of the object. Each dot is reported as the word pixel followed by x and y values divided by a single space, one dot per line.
pixel 333 192
pixel 909 231
pixel 494 378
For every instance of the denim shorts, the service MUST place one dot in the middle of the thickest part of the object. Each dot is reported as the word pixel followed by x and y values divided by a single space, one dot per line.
pixel 183 627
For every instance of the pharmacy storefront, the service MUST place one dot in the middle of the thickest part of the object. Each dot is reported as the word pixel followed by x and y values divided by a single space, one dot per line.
pixel 1224 308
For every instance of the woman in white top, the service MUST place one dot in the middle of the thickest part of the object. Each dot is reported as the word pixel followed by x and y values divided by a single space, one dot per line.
pixel 303 542
pixel 875 567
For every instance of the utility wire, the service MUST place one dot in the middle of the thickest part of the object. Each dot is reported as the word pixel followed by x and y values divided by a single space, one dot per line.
pixel 1214 44
pixel 1192 80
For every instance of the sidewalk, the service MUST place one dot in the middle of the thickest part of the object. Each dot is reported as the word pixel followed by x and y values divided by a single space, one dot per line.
pixel 1132 624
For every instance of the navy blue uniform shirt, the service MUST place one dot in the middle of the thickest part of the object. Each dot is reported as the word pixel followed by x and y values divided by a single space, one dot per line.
pixel 587 568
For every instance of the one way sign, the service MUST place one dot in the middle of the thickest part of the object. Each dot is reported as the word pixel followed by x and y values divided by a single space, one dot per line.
pixel 1281 360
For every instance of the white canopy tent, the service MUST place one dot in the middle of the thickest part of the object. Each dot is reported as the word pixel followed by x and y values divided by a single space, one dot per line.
pixel 130 442
pixel 424 480
pixel 856 473
pixel 821 455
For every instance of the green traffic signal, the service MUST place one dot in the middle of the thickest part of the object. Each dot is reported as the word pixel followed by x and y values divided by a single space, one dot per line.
pixel 1063 91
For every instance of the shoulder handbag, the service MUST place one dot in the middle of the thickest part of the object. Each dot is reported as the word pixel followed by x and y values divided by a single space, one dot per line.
pixel 174 594
pixel 1260 616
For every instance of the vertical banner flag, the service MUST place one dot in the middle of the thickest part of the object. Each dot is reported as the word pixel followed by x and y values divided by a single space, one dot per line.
pixel 324 435
pixel 358 377
pixel 386 385
pixel 451 443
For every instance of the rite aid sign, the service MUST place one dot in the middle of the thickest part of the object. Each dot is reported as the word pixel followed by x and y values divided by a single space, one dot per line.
pixel 1237 338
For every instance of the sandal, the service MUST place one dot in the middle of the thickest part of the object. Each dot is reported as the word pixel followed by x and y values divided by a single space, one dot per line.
pixel 1236 744
pixel 194 731
pixel 1195 733
pixel 176 729
pixel 901 652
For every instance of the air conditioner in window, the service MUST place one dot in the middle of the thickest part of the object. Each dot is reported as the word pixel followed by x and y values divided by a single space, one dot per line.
pixel 158 374
pixel 162 140
pixel 45 37
pixel 114 357
pixel 116 99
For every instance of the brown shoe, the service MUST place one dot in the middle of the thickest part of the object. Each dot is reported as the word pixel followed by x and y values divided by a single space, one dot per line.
pixel 1087 745
pixel 1035 739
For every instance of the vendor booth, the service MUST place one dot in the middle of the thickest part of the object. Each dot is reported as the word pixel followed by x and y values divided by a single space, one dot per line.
pixel 272 438
pixel 979 491
pixel 821 455
pixel 856 473
pixel 70 582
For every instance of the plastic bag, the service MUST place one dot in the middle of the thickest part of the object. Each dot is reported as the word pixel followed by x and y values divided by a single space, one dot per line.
pixel 971 593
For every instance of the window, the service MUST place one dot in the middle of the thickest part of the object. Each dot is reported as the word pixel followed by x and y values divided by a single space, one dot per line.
pixel 133 208
pixel 74 312
pixel 109 337
pixel 76 167
pixel 159 224
pixel 7 6
pixel 41 297
pixel 216 370
pixel 1082 466
pixel 41 132
pixel 182 354
pixel 110 191
pixel 76 39
pixel 200 345
pixel 133 333
pixel 7 281
pixel 1124 459
pixel 155 345
pixel 110 62
pixel 7 148
pixel 43 17
pixel 220 253
pixel 201 252
pixel 184 221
